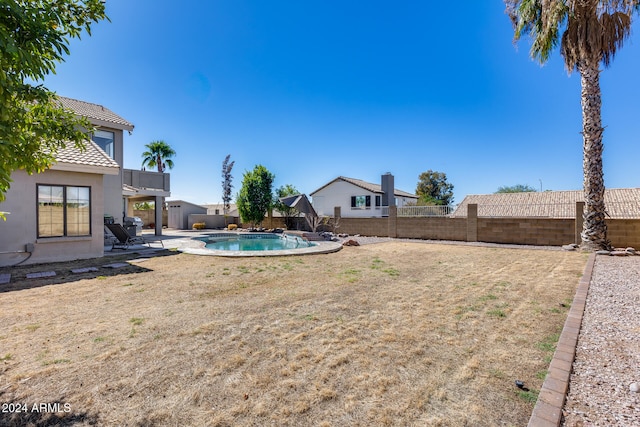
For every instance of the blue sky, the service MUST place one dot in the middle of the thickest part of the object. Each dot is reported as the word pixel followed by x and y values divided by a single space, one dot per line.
pixel 317 89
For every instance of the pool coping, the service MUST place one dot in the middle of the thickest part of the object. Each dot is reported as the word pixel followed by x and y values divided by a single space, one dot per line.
pixel 552 396
pixel 194 246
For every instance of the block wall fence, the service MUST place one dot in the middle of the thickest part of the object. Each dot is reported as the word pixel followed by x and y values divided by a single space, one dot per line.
pixel 521 231
pixel 148 216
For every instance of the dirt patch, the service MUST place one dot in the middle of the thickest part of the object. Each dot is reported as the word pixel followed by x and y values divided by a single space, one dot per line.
pixel 392 333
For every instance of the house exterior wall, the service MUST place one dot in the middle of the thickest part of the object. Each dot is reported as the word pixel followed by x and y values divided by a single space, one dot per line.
pixel 339 193
pixel 20 228
pixel 113 200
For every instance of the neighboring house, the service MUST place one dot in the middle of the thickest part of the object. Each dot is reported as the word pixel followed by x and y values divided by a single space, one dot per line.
pixel 179 212
pixel 218 209
pixel 58 215
pixel 619 203
pixel 357 198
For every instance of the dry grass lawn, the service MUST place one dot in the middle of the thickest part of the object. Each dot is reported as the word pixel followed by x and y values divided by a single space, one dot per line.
pixel 384 334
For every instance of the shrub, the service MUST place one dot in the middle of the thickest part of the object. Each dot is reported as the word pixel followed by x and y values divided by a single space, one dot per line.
pixel 232 226
pixel 199 225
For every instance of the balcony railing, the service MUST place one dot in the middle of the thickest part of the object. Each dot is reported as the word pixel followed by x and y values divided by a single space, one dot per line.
pixel 147 179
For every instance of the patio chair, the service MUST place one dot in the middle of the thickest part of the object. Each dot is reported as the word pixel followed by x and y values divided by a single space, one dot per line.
pixel 124 238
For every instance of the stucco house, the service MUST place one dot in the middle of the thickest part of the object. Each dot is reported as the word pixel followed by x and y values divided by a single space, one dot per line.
pixel 357 198
pixel 58 215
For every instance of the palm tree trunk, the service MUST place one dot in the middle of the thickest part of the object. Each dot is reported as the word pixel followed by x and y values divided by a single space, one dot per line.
pixel 159 163
pixel 594 231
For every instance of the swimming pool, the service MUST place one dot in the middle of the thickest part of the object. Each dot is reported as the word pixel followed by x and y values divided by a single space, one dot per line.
pixel 254 242
pixel 202 245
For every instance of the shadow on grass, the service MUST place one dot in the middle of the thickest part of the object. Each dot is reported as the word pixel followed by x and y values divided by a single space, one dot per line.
pixel 38 419
pixel 132 263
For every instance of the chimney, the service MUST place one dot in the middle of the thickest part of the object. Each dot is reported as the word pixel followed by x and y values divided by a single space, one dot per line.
pixel 388 196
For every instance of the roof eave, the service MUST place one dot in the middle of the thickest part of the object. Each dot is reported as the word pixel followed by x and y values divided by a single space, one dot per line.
pixel 75 167
pixel 113 125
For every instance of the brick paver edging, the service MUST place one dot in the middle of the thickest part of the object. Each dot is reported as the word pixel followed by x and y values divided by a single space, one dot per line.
pixel 548 409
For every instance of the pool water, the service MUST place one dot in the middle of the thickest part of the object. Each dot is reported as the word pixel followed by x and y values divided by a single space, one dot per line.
pixel 254 242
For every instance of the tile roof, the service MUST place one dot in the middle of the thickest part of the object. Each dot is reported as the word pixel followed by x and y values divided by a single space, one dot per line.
pixel 97 114
pixel 619 203
pixel 92 156
pixel 374 188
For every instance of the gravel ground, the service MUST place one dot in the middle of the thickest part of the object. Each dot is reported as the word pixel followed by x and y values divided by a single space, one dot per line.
pixel 607 359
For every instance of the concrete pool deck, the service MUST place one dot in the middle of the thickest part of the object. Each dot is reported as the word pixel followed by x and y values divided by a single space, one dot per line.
pixel 186 241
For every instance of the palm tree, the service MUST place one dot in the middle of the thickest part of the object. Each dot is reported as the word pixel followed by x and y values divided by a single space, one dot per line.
pixel 589 32
pixel 158 155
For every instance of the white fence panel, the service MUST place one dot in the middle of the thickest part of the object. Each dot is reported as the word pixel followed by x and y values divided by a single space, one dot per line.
pixel 419 211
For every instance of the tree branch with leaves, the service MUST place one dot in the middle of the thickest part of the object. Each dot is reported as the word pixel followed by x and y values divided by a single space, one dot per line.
pixel 34 37
pixel 226 183
pixel 255 196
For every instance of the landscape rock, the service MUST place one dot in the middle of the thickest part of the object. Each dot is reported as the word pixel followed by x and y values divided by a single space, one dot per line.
pixel 630 250
pixel 350 242
pixel 603 252
pixel 634 387
pixel 571 247
pixel 619 253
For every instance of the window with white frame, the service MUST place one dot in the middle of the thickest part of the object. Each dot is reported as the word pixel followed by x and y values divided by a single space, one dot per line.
pixel 64 210
pixel 360 202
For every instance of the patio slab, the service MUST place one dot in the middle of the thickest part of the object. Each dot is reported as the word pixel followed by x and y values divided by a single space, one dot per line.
pixel 117 265
pixel 84 270
pixel 41 274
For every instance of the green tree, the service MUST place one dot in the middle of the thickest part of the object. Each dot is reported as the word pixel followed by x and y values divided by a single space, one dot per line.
pixel 143 206
pixel 255 196
pixel 589 33
pixel 34 37
pixel 518 188
pixel 434 189
pixel 226 183
pixel 287 211
pixel 158 155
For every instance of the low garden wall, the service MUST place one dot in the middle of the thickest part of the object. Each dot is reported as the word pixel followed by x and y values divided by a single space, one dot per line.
pixel 521 231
